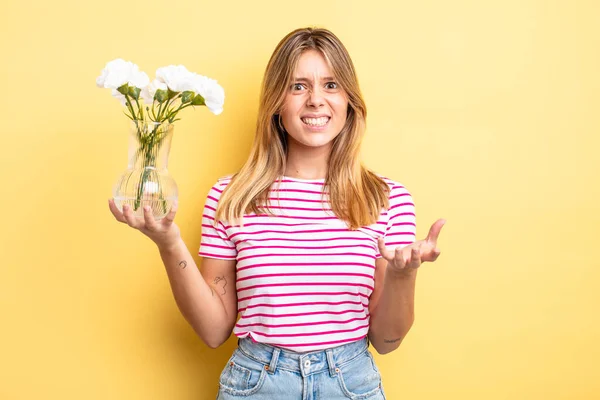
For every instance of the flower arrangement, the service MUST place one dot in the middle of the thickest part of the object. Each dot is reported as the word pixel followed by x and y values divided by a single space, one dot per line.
pixel 172 83
pixel 153 108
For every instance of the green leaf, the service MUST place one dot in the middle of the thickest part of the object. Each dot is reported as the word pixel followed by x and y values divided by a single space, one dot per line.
pixel 187 96
pixel 198 101
pixel 128 116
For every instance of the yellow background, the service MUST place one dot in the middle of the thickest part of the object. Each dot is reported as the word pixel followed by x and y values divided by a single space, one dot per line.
pixel 488 111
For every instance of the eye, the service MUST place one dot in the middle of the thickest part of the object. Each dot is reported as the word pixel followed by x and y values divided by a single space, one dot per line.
pixel 297 86
pixel 331 85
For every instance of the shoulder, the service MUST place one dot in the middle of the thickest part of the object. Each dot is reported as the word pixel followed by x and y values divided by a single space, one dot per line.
pixel 400 199
pixel 394 185
pixel 215 192
pixel 222 183
pixel 224 180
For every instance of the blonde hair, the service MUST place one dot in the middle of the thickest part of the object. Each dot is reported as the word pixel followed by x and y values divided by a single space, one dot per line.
pixel 357 195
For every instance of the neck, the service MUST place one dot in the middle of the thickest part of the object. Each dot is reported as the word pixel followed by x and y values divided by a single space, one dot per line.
pixel 305 162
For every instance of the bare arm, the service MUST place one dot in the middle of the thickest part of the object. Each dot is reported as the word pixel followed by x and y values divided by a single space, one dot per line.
pixel 207 300
pixel 391 307
pixel 392 302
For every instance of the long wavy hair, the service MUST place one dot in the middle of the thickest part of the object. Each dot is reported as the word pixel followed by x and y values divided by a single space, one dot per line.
pixel 356 194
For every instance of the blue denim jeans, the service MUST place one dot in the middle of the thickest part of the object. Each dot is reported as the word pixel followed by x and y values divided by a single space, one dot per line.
pixel 259 371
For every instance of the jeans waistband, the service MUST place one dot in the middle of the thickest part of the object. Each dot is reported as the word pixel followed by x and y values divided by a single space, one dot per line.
pixel 306 363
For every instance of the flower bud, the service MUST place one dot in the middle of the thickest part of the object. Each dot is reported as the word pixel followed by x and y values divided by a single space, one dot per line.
pixel 134 92
pixel 172 94
pixel 124 89
pixel 198 100
pixel 187 96
pixel 160 95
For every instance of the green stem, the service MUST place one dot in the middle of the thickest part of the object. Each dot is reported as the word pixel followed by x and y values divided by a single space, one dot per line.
pixel 166 109
pixel 159 110
pixel 149 147
pixel 141 109
pixel 152 110
pixel 130 105
pixel 172 114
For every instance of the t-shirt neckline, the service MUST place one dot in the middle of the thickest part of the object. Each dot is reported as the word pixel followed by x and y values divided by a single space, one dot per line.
pixel 284 177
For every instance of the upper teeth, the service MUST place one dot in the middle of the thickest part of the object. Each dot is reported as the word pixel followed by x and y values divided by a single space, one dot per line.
pixel 315 121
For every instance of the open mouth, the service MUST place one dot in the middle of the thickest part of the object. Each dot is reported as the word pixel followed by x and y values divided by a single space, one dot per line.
pixel 316 122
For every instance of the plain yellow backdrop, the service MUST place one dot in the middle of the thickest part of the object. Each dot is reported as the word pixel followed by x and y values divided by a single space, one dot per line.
pixel 488 111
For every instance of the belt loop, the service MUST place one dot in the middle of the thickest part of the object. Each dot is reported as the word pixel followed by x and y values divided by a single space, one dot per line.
pixel 332 368
pixel 274 358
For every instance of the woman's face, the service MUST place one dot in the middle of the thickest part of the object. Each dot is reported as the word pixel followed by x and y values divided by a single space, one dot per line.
pixel 315 108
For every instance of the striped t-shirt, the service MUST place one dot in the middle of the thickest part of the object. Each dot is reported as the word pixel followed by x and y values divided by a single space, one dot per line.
pixel 303 278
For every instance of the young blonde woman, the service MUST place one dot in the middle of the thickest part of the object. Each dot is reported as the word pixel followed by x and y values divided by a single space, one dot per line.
pixel 316 253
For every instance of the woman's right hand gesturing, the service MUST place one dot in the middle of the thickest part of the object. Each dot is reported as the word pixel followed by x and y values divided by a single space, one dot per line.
pixel 165 233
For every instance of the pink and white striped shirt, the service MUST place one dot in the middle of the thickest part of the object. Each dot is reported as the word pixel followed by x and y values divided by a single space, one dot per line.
pixel 303 278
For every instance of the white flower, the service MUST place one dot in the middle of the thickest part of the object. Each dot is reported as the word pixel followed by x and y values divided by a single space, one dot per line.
pixel 176 77
pixel 138 79
pixel 213 93
pixel 150 90
pixel 119 72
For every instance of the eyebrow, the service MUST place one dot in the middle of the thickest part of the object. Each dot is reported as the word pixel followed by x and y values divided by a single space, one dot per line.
pixel 327 78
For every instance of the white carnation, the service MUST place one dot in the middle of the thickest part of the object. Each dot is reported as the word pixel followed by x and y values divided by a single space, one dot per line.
pixel 150 90
pixel 119 72
pixel 176 77
pixel 213 93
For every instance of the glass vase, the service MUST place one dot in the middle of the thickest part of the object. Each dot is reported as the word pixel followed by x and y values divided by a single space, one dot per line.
pixel 147 180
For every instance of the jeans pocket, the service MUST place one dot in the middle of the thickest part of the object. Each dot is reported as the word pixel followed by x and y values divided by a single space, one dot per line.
pixel 242 376
pixel 360 379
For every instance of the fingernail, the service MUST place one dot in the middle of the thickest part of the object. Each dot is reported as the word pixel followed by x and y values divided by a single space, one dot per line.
pixel 146 208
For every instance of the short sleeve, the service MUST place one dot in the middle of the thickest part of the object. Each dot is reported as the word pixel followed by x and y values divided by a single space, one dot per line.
pixel 401 229
pixel 215 242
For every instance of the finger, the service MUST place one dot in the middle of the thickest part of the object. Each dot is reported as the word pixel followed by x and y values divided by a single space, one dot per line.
pixel 170 217
pixel 129 217
pixel 401 257
pixel 430 254
pixel 385 253
pixel 115 211
pixel 436 254
pixel 149 219
pixel 434 231
pixel 415 258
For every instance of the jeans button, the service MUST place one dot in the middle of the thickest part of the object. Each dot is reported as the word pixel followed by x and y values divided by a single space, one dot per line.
pixel 307 363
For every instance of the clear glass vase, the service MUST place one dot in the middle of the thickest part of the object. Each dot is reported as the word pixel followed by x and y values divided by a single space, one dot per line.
pixel 147 180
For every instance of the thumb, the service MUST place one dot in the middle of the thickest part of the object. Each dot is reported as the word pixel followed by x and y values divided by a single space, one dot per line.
pixel 434 231
pixel 170 217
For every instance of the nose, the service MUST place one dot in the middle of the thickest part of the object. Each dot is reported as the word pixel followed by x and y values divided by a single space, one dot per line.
pixel 315 98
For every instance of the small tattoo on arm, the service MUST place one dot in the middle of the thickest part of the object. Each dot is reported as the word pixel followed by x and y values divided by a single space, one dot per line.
pixel 183 264
pixel 221 282
pixel 391 341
